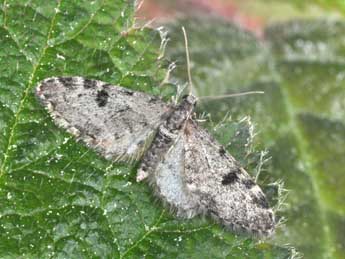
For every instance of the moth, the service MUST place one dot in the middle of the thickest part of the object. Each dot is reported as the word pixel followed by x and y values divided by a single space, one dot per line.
pixel 188 170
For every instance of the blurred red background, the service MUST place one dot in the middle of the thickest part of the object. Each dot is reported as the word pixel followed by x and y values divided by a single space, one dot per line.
pixel 230 10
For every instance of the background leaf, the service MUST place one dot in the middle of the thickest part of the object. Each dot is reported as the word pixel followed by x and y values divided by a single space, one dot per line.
pixel 300 66
pixel 58 198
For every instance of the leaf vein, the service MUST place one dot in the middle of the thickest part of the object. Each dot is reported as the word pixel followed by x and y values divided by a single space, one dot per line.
pixel 89 21
pixel 22 51
pixel 302 147
pixel 25 94
pixel 146 234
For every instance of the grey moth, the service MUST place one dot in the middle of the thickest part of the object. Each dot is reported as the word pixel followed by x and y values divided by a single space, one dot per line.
pixel 187 169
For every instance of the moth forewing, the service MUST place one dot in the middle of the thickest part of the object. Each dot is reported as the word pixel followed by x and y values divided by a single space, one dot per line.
pixel 113 120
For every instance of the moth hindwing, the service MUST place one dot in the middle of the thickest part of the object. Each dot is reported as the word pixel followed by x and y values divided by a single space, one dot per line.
pixel 187 168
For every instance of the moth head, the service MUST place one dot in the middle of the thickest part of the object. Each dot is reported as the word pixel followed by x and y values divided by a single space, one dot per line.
pixel 189 99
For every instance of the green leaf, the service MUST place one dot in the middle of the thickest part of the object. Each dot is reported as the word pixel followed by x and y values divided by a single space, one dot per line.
pixel 58 198
pixel 300 118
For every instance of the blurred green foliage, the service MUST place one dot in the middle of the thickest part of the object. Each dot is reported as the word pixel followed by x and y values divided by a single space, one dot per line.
pixel 338 5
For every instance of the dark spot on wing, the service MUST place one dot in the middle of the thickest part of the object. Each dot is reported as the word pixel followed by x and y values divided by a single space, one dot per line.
pixel 249 183
pixel 102 98
pixel 230 178
pixel 89 83
pixel 260 200
pixel 66 81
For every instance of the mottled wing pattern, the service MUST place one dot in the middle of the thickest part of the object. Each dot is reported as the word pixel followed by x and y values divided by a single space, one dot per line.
pixel 115 121
pixel 186 166
pixel 223 188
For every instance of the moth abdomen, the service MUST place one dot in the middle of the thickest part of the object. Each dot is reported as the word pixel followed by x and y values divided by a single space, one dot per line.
pixel 158 148
pixel 166 135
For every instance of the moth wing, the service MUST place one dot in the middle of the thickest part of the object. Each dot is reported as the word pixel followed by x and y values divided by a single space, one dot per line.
pixel 113 120
pixel 168 182
pixel 223 188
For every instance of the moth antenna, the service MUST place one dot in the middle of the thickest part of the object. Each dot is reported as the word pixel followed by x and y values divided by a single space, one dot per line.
pixel 190 83
pixel 148 23
pixel 229 95
pixel 139 5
